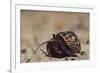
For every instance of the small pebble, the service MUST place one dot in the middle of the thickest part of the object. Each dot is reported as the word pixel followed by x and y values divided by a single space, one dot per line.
pixel 87 42
pixel 23 50
pixel 73 59
pixel 66 59
pixel 82 53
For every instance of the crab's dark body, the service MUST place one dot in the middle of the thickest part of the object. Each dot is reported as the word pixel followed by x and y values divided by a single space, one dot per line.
pixel 64 44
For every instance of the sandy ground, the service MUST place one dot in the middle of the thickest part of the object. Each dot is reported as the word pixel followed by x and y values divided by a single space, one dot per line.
pixel 38 27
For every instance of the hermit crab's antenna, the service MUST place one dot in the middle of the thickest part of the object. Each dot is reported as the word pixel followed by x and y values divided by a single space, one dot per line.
pixel 42 44
pixel 44 53
pixel 41 49
pixel 45 43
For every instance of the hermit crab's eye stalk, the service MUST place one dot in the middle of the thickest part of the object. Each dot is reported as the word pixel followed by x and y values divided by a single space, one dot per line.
pixel 54 35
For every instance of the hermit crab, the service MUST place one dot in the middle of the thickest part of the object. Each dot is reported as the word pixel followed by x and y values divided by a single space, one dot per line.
pixel 62 44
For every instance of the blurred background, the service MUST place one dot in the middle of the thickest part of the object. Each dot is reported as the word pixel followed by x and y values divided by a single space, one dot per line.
pixel 38 27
